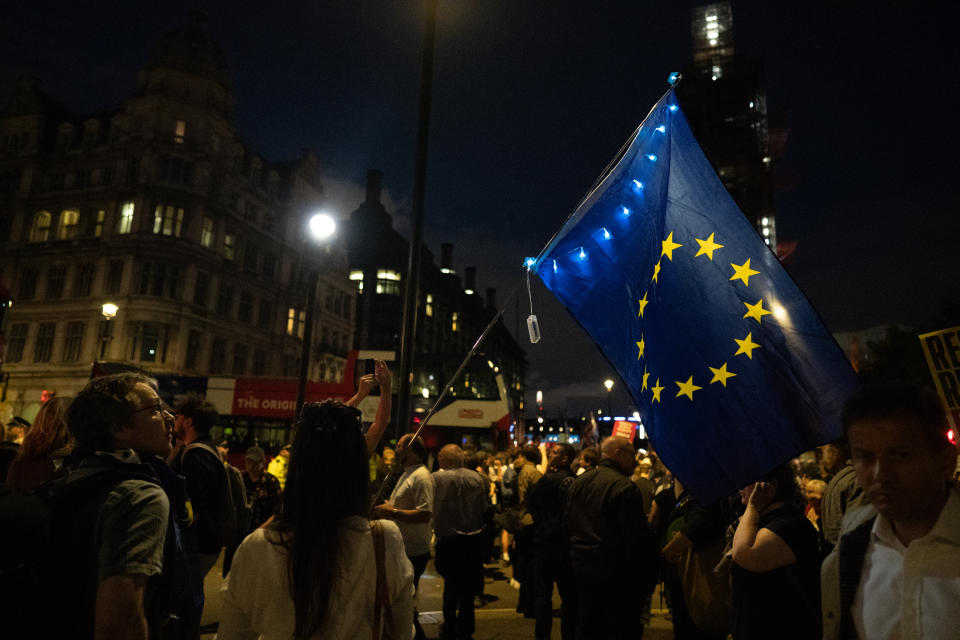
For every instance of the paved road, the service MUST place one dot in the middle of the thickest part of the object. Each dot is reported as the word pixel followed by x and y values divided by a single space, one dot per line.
pixel 497 620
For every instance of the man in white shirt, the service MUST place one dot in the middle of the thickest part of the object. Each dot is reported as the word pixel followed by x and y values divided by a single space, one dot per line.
pixel 411 507
pixel 896 571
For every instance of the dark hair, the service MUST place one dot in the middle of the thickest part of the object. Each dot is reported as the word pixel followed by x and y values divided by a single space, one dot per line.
pixel 415 444
pixel 565 453
pixel 899 400
pixel 201 411
pixel 49 431
pixel 105 404
pixel 788 489
pixel 531 453
pixel 591 456
pixel 327 481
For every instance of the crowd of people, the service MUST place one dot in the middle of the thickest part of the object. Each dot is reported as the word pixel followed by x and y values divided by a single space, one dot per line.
pixel 860 538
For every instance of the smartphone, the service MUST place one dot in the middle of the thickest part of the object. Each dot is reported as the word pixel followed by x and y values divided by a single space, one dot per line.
pixel 369 365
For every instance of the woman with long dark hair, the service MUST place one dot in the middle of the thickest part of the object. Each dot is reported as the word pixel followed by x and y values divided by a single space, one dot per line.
pixel 313 573
pixel 44 448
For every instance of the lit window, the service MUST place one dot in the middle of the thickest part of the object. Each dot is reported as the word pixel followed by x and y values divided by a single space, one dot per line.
pixel 126 218
pixel 357 276
pixel 301 323
pixel 229 246
pixel 429 307
pixel 41 227
pixel 180 132
pixel 291 321
pixel 453 321
pixel 98 226
pixel 167 220
pixel 386 274
pixel 68 224
pixel 388 282
pixel 206 234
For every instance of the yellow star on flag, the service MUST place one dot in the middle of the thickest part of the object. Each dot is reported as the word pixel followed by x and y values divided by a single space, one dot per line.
pixel 646 376
pixel 656 388
pixel 747 345
pixel 641 346
pixel 707 247
pixel 721 375
pixel 687 388
pixel 643 302
pixel 656 272
pixel 755 311
pixel 743 272
pixel 668 246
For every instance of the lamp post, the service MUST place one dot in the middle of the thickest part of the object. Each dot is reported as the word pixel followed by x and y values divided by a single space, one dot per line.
pixel 321 229
pixel 608 383
pixel 109 311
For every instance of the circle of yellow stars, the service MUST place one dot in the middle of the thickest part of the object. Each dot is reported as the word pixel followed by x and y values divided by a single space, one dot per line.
pixel 745 346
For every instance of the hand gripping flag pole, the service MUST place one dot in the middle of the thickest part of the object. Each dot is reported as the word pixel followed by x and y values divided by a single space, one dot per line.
pixel 732 368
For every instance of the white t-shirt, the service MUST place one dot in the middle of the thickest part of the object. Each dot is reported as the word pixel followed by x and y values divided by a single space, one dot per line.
pixel 415 490
pixel 256 597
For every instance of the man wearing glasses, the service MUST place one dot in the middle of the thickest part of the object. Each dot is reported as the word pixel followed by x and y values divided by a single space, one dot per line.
pixel 611 549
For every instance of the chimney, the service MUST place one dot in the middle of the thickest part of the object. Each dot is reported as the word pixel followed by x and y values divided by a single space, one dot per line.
pixel 446 255
pixel 374 185
pixel 492 297
pixel 470 279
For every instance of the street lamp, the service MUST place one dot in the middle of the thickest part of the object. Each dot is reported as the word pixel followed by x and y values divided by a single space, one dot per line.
pixel 608 383
pixel 322 227
pixel 109 311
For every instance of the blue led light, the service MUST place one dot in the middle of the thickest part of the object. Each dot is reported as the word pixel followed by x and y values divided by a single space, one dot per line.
pixel 638 185
pixel 529 262
pixel 662 129
pixel 672 79
pixel 606 234
pixel 672 107
pixel 582 255
pixel 651 157
pixel 625 211
pixel 554 266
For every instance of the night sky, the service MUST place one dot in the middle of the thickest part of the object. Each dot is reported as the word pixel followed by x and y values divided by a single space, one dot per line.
pixel 533 98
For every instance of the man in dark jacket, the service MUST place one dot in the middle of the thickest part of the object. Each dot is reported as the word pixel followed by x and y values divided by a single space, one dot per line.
pixel 612 552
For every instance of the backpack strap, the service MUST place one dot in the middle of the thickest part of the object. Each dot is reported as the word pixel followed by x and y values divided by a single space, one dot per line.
pixel 381 603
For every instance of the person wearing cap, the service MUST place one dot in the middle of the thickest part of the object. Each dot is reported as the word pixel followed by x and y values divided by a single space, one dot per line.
pixel 263 493
pixel 278 466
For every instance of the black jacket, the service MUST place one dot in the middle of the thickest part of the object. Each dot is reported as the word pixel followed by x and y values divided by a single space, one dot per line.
pixel 607 528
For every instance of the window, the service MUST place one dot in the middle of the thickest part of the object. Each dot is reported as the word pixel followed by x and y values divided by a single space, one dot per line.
pixel 68 224
pixel 291 364
pixel 98 225
pixel 388 282
pixel 218 355
pixel 114 276
pixel 16 342
pixel 193 348
pixel 176 170
pixel 149 343
pixel 106 175
pixel 28 283
pixel 224 298
pixel 357 276
pixel 40 231
pixel 73 341
pixel 168 220
pixel 269 264
pixel 43 347
pixel 453 321
pixel 126 218
pixel 229 246
pixel 429 306
pixel 259 362
pixel 84 177
pixel 250 258
pixel 84 281
pixel 179 131
pixel 245 308
pixel 56 274
pixel 240 353
pixel 291 321
pixel 158 279
pixel 201 289
pixel 206 234
pixel 265 315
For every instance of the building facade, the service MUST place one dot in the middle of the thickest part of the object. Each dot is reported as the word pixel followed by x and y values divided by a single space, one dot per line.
pixel 161 210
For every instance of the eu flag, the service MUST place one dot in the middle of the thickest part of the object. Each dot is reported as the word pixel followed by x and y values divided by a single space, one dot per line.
pixel 733 369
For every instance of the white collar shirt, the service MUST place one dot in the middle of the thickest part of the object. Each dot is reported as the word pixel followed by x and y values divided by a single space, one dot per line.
pixel 415 490
pixel 911 593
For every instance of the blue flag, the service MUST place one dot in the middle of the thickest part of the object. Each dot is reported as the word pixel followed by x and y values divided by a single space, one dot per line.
pixel 731 367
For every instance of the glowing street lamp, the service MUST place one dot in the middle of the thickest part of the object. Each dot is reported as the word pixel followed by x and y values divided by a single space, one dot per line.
pixel 608 383
pixel 109 311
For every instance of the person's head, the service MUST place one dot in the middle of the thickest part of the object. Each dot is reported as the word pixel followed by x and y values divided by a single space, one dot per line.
pixel 17 430
pixel 589 458
pixel 195 416
pixel 901 454
pixel 450 457
pixel 256 462
pixel 620 451
pixel 786 489
pixel 411 450
pixel 561 455
pixel 285 451
pixel 530 453
pixel 813 491
pixel 121 411
pixel 223 447
pixel 388 456
pixel 646 467
pixel 327 481
pixel 49 430
pixel 833 456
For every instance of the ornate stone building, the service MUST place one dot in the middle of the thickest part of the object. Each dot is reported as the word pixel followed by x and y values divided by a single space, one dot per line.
pixel 161 210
